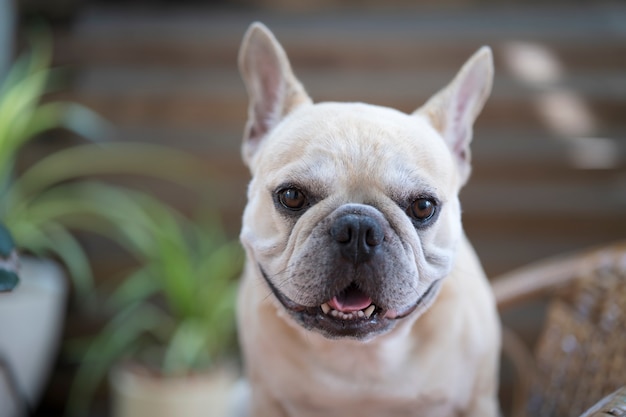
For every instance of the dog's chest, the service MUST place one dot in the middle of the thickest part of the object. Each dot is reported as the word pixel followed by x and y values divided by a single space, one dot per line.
pixel 355 383
pixel 366 400
pixel 369 408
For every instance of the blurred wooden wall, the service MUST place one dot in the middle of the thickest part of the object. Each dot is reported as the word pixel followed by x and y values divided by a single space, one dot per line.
pixel 549 149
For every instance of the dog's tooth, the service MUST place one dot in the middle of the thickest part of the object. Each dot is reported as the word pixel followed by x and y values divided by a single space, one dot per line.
pixel 369 310
pixel 334 313
pixel 325 308
pixel 360 314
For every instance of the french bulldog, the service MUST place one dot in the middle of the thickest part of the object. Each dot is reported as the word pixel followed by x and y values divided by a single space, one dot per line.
pixel 361 295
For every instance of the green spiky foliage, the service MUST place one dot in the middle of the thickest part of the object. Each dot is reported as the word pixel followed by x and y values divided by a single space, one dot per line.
pixel 33 204
pixel 174 310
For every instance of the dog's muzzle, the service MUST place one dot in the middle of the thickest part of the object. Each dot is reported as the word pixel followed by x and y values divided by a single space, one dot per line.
pixel 354 300
pixel 351 313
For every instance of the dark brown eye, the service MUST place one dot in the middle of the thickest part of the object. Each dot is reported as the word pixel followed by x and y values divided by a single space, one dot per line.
pixel 421 209
pixel 292 198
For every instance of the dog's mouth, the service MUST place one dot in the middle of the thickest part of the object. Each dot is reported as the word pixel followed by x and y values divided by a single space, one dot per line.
pixel 350 304
pixel 351 313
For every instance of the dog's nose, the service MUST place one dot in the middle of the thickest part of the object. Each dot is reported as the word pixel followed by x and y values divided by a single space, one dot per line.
pixel 358 236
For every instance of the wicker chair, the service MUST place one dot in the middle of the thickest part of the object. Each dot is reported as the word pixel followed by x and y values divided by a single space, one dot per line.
pixel 611 405
pixel 580 352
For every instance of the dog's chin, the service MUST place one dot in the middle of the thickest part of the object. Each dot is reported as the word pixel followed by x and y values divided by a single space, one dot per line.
pixel 363 324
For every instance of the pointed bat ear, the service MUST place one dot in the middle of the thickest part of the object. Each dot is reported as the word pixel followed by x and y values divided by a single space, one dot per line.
pixel 453 110
pixel 273 89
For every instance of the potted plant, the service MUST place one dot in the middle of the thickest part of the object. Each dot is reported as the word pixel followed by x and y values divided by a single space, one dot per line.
pixel 173 329
pixel 38 303
pixel 31 321
pixel 8 281
pixel 42 204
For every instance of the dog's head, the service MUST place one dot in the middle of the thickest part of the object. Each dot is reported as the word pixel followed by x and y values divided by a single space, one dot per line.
pixel 353 217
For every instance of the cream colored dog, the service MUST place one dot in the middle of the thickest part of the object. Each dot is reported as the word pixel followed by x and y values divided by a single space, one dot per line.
pixel 361 295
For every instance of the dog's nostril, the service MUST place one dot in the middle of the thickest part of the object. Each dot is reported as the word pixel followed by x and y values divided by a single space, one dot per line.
pixel 342 229
pixel 342 233
pixel 374 236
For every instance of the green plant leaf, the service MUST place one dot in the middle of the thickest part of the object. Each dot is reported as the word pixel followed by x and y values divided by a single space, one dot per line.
pixel 137 287
pixel 71 116
pixel 20 93
pixel 176 273
pixel 121 214
pixel 65 245
pixel 17 107
pixel 109 158
pixel 187 345
pixel 52 238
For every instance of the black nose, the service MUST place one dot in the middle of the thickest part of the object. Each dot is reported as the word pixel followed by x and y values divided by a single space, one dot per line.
pixel 358 236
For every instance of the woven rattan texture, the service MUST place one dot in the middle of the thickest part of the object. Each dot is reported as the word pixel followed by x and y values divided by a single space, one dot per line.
pixel 581 354
pixel 612 406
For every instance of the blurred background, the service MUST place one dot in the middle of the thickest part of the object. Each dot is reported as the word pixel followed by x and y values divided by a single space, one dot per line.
pixel 549 150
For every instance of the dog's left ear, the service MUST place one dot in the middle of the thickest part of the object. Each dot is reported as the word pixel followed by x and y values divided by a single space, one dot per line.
pixel 453 110
pixel 273 89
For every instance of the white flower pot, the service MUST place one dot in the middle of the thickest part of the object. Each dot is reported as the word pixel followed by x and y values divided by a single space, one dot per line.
pixel 31 321
pixel 138 393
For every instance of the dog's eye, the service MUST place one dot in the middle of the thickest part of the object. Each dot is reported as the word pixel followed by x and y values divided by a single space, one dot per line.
pixel 422 209
pixel 292 199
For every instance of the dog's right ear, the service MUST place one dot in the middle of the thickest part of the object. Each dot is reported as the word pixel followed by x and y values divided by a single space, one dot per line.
pixel 453 110
pixel 272 88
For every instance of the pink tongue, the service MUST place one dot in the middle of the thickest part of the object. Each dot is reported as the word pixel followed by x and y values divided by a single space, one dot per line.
pixel 350 300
